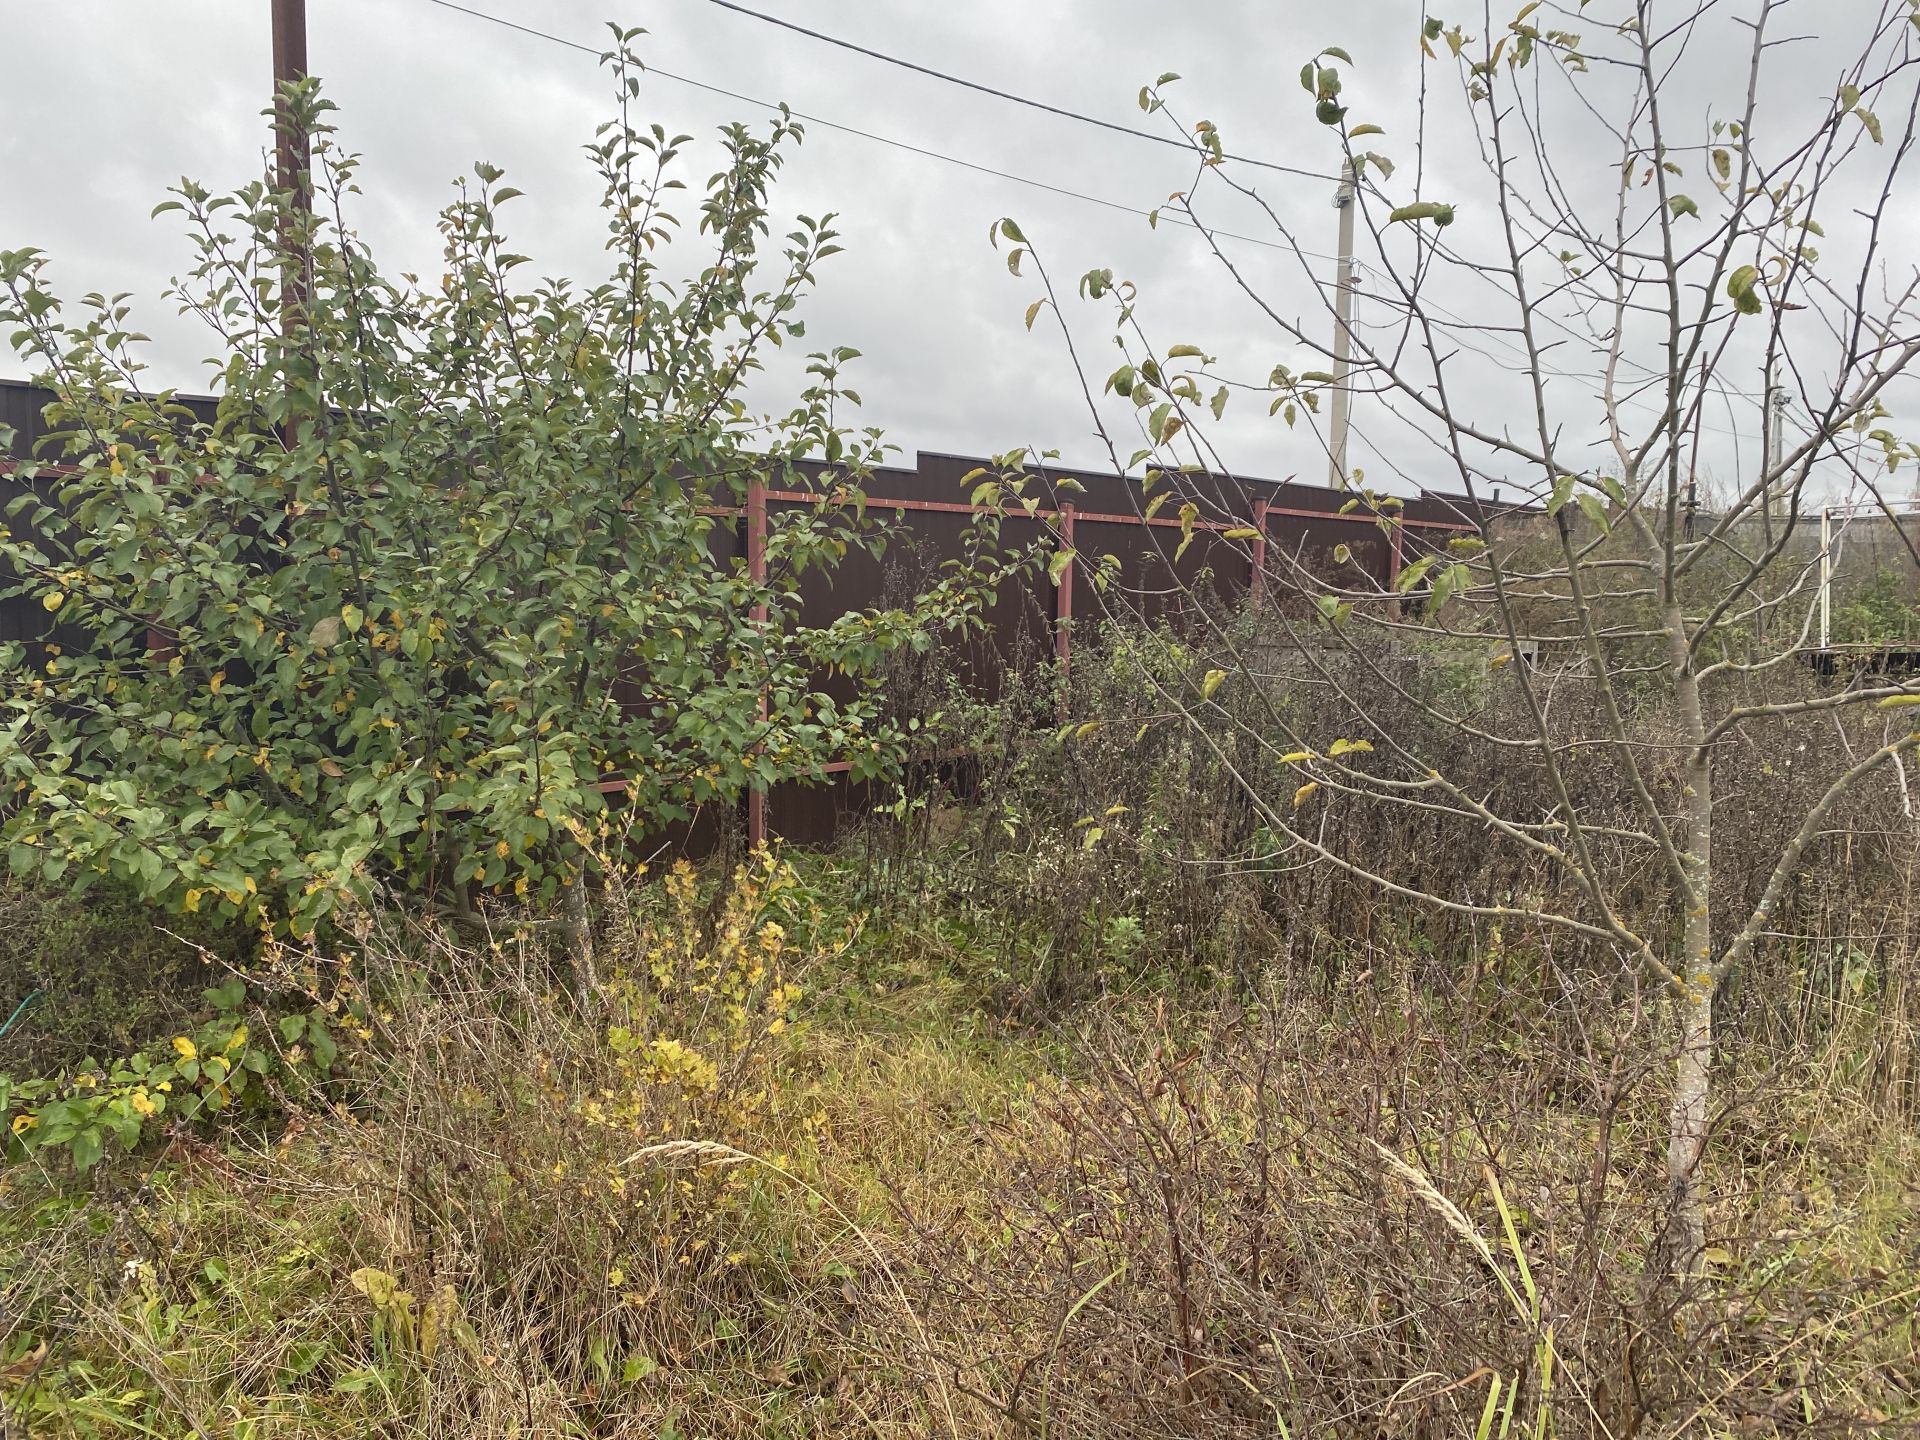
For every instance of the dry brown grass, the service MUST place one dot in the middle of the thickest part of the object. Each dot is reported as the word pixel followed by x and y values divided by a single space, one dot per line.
pixel 1226 1214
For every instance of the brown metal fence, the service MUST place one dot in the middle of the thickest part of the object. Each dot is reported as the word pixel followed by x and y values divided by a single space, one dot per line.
pixel 1031 621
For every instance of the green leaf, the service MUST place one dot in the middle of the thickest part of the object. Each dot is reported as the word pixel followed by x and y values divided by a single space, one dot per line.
pixel 1562 492
pixel 1337 53
pixel 1180 352
pixel 1723 164
pixel 1595 509
pixel 1451 581
pixel 1189 512
pixel 1679 205
pixel 1357 131
pixel 1741 290
pixel 1012 231
pixel 1057 564
pixel 1422 210
pixel 1872 122
pixel 1033 310
pixel 1410 575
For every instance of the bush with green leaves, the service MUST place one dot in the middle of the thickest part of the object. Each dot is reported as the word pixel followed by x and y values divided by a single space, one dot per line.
pixel 440 576
pixel 223 1062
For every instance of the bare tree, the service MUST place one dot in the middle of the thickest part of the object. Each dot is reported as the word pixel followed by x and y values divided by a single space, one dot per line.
pixel 1593 248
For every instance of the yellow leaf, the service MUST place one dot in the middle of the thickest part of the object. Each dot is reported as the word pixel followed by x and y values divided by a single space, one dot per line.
pixel 54 601
pixel 1298 757
pixel 185 1048
pixel 1498 661
pixel 1305 793
pixel 1350 747
pixel 1894 702
pixel 219 679
pixel 1215 679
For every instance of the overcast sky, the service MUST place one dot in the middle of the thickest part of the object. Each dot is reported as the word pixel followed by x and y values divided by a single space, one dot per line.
pixel 108 101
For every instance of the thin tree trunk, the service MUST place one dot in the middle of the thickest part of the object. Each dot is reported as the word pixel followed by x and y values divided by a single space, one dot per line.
pixel 579 933
pixel 1686 1227
pixel 1686 1234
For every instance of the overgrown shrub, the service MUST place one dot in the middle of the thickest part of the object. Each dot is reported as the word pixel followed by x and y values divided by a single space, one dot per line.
pixel 92 975
pixel 451 564
pixel 514 1213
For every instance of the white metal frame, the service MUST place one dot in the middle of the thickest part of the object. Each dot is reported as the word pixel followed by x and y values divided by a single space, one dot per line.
pixel 1846 513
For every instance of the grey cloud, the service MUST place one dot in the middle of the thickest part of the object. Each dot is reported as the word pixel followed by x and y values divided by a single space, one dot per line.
pixel 425 91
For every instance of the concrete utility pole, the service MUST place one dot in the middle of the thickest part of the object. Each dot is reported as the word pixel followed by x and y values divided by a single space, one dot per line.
pixel 1343 199
pixel 1776 412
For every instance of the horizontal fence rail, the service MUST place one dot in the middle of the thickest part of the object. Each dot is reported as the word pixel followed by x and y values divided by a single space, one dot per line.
pixel 1034 626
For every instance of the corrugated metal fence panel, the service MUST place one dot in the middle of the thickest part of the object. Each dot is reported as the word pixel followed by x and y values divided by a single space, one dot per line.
pixel 1157 579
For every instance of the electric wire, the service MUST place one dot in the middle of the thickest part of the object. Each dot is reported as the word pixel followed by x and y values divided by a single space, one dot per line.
pixel 870 135
pixel 1064 114
pixel 1114 205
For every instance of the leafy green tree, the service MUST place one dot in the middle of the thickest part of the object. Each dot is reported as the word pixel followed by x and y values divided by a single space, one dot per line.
pixel 439 581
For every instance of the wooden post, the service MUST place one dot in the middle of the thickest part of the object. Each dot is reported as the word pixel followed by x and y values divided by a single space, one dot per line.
pixel 757 573
pixel 1257 585
pixel 291 157
pixel 292 161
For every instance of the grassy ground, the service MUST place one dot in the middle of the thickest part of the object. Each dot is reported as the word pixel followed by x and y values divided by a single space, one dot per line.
pixel 789 1176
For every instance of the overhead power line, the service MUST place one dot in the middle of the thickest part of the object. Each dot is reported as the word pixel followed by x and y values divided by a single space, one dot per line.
pixel 1033 104
pixel 870 135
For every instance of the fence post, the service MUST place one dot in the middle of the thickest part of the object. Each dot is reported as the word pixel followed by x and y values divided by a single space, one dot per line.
pixel 757 573
pixel 1257 585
